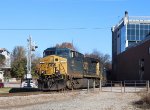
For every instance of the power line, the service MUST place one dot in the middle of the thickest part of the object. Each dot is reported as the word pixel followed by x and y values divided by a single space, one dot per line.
pixel 52 29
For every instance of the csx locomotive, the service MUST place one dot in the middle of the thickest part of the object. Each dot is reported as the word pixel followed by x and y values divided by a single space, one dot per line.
pixel 62 68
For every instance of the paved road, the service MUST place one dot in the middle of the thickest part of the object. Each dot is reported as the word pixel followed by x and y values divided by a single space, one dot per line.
pixel 12 85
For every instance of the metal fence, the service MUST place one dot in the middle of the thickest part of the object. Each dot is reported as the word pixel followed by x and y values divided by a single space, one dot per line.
pixel 122 86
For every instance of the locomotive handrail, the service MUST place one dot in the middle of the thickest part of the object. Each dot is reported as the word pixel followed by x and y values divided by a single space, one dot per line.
pixel 63 68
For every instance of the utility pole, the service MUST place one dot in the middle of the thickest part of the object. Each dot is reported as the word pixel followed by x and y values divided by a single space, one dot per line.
pixel 31 47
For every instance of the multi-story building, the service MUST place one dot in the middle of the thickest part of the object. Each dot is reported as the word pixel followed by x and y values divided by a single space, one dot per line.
pixel 129 31
pixel 7 63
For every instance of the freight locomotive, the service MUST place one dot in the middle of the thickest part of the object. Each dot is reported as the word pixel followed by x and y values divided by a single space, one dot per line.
pixel 62 68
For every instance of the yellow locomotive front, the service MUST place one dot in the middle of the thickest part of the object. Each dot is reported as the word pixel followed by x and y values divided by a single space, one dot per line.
pixel 52 70
pixel 53 65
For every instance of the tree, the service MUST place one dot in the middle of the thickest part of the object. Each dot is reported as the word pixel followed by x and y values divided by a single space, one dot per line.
pixel 19 53
pixel 66 45
pixel 105 63
pixel 103 58
pixel 19 61
pixel 2 60
pixel 35 61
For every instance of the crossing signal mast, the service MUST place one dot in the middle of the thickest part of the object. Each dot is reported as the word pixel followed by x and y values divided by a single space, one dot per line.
pixel 31 47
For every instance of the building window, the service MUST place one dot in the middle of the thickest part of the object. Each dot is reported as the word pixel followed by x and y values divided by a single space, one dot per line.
pixel 137 31
pixel 130 43
pixel 141 68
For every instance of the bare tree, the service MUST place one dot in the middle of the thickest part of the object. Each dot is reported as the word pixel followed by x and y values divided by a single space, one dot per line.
pixel 103 58
pixel 19 53
pixel 66 45
pixel 105 63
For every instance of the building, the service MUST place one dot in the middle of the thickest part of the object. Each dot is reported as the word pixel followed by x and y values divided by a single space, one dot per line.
pixel 133 64
pixel 129 31
pixel 7 63
pixel 6 53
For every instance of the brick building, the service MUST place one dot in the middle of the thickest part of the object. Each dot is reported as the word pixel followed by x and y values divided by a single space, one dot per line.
pixel 134 63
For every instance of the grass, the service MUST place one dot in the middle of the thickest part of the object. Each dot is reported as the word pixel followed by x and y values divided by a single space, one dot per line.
pixel 146 98
pixel 144 102
pixel 4 90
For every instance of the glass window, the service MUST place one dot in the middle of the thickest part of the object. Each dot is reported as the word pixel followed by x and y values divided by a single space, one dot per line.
pixel 123 38
pixel 146 27
pixel 131 43
pixel 137 26
pixel 141 38
pixel 132 26
pixel 46 53
pixel 133 32
pixel 128 37
pixel 149 26
pixel 132 37
pixel 1 51
pixel 137 37
pixel 141 32
pixel 146 32
pixel 128 32
pixel 137 32
pixel 141 26
pixel 63 52
pixel 128 26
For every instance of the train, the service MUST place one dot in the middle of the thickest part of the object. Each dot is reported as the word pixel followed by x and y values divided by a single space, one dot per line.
pixel 65 68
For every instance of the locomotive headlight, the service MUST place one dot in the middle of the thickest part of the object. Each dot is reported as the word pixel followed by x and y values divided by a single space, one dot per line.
pixel 43 72
pixel 57 71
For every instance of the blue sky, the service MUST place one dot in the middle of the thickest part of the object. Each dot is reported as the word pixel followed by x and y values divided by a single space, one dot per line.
pixel 68 15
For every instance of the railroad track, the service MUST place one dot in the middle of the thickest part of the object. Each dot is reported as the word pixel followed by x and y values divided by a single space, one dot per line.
pixel 32 91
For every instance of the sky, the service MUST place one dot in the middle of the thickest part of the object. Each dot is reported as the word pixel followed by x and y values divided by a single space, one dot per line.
pixel 86 23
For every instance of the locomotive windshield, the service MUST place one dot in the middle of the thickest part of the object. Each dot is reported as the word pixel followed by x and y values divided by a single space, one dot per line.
pixel 63 52
pixel 48 52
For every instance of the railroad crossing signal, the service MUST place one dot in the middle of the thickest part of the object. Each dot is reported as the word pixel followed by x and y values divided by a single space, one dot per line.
pixel 31 47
